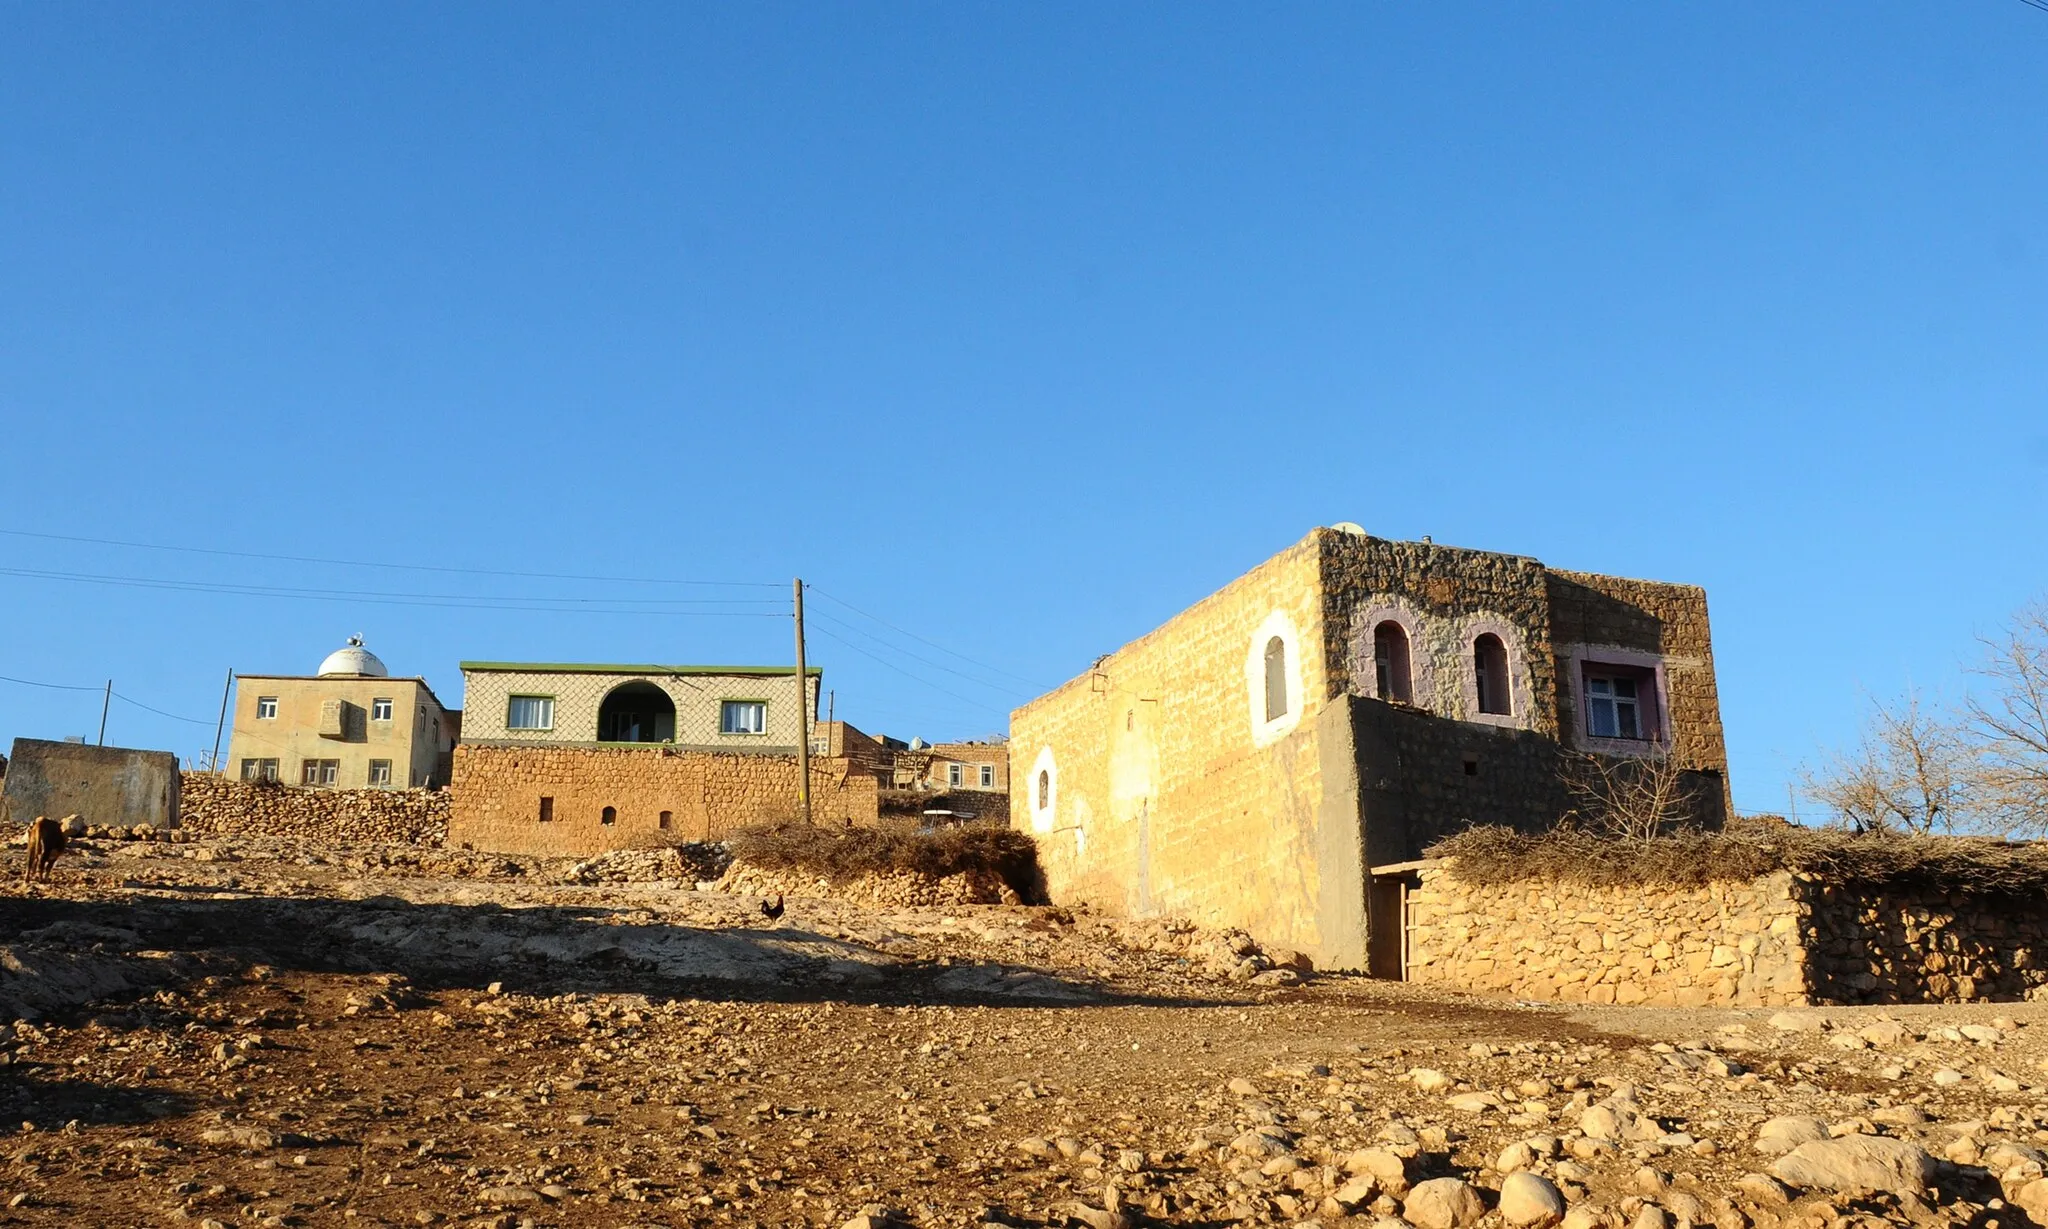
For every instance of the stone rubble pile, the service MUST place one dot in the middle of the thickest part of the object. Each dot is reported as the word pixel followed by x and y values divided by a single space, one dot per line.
pixel 223 806
pixel 691 863
pixel 886 889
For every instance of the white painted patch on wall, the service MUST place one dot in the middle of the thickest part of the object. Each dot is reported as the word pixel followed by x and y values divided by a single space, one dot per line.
pixel 1045 791
pixel 1264 731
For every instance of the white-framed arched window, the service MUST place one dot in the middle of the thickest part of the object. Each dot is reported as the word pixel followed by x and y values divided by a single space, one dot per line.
pixel 1044 790
pixel 1272 678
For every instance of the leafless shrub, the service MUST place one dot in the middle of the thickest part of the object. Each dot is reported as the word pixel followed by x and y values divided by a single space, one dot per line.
pixel 1746 850
pixel 1632 799
pixel 842 854
pixel 2010 725
pixel 1913 772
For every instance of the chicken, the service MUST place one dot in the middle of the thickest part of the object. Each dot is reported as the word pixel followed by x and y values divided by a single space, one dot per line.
pixel 772 912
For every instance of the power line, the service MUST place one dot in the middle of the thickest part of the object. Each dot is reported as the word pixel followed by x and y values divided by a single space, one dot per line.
pixel 404 567
pixel 1003 687
pixel 241 587
pixel 159 712
pixel 933 643
pixel 52 686
pixel 979 704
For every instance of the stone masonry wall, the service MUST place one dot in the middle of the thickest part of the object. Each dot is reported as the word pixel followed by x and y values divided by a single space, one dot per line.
pixel 222 806
pixel 1168 792
pixel 1923 946
pixel 498 792
pixel 1734 944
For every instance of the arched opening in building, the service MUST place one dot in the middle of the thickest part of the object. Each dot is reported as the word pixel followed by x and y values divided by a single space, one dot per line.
pixel 1044 789
pixel 1490 669
pixel 637 712
pixel 1390 662
pixel 1276 679
pixel 610 815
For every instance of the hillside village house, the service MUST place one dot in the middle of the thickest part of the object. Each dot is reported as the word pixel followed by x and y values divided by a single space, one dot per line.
pixel 578 758
pixel 1270 757
pixel 350 726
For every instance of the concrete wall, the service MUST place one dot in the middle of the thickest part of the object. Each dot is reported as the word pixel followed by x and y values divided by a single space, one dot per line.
pixel 497 793
pixel 417 740
pixel 1169 791
pixel 578 694
pixel 104 785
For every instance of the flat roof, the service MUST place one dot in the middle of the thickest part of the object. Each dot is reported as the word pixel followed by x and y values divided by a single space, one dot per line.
pixel 353 678
pixel 593 667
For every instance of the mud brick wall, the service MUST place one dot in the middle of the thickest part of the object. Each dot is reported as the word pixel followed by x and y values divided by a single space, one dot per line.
pixel 223 806
pixel 1734 944
pixel 498 792
pixel 1867 945
pixel 1170 793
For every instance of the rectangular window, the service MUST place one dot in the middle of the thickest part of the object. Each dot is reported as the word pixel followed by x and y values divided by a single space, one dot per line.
pixel 266 708
pixel 547 809
pixel 259 770
pixel 319 772
pixel 1613 706
pixel 956 775
pixel 380 709
pixel 380 774
pixel 988 776
pixel 530 713
pixel 742 717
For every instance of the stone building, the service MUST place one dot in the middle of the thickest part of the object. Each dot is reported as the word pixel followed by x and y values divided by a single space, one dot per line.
pixel 350 725
pixel 579 758
pixel 1258 758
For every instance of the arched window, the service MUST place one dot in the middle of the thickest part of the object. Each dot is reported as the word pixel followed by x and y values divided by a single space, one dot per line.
pixel 1490 669
pixel 1390 662
pixel 609 816
pixel 1044 788
pixel 636 712
pixel 1276 679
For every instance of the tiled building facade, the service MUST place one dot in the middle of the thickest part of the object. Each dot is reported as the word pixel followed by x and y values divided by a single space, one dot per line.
pixel 1338 708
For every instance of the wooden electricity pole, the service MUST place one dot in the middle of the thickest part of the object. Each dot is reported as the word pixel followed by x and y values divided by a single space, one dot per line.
pixel 221 724
pixel 803 711
pixel 104 702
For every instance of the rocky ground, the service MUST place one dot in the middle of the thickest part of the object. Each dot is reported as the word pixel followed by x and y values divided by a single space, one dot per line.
pixel 220 1033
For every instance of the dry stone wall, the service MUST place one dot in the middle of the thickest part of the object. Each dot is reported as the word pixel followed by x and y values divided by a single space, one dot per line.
pixel 1923 945
pixel 1735 944
pixel 222 806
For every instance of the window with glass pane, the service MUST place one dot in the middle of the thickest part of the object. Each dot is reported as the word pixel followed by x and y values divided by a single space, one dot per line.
pixel 319 772
pixel 266 708
pixel 380 709
pixel 530 713
pixel 1612 707
pixel 988 776
pixel 956 775
pixel 742 717
pixel 380 772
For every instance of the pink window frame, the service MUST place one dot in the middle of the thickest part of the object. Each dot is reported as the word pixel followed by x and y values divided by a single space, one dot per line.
pixel 1578 658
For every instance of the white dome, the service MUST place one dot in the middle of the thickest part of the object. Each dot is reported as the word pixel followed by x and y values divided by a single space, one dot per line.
pixel 353 658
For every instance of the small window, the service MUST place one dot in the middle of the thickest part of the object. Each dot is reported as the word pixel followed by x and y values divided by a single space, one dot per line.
pixel 1044 789
pixel 530 713
pixel 610 815
pixel 266 708
pixel 742 717
pixel 319 772
pixel 380 774
pixel 956 775
pixel 1390 663
pixel 259 770
pixel 1276 679
pixel 547 809
pixel 1613 707
pixel 666 820
pixel 988 776
pixel 1490 670
pixel 380 709
pixel 1471 764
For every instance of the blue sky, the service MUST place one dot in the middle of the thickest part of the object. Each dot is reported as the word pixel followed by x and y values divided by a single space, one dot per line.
pixel 1018 327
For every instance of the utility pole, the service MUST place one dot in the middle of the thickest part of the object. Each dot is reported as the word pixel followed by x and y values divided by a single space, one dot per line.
pixel 803 713
pixel 222 723
pixel 104 702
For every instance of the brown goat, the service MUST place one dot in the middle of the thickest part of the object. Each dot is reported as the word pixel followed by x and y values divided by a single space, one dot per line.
pixel 45 842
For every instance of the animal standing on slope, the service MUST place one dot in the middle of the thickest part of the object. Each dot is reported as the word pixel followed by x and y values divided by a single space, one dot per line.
pixel 45 842
pixel 772 912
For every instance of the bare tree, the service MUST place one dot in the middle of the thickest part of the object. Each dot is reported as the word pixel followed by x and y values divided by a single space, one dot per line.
pixel 1913 771
pixel 2010 723
pixel 1630 798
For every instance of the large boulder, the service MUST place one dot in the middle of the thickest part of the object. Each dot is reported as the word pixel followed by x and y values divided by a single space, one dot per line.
pixel 1858 1163
pixel 1782 1135
pixel 1530 1200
